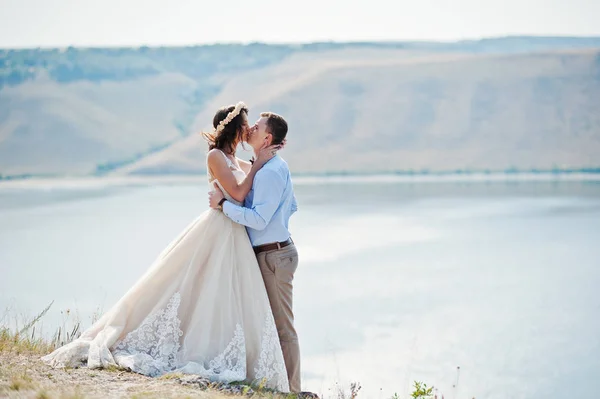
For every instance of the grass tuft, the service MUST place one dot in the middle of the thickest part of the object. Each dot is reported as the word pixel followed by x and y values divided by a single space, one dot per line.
pixel 21 383
pixel 42 394
pixel 171 376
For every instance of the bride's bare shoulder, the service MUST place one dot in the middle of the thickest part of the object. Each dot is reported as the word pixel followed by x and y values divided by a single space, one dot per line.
pixel 214 152
pixel 215 156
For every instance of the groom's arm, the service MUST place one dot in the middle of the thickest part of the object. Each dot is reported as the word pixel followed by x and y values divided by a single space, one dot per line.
pixel 268 189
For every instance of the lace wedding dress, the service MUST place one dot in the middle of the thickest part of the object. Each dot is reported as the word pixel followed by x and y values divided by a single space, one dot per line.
pixel 201 308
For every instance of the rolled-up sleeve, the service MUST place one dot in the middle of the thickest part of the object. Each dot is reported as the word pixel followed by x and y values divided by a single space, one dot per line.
pixel 268 188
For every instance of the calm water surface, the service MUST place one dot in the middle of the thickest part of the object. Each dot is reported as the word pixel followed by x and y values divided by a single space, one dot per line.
pixel 397 281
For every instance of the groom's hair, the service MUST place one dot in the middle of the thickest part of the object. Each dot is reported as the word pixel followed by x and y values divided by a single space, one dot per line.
pixel 277 126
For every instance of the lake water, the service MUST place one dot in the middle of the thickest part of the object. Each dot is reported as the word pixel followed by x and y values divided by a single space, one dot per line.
pixel 398 280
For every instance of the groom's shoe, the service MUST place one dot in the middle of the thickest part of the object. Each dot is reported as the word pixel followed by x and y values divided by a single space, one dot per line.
pixel 307 395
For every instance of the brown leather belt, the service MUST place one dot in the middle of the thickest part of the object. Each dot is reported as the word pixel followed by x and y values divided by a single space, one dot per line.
pixel 272 246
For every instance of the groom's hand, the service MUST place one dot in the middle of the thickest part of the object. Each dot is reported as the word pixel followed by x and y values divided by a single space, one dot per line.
pixel 214 197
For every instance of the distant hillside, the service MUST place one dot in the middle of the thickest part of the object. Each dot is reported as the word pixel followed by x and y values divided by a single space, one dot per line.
pixel 393 111
pixel 490 104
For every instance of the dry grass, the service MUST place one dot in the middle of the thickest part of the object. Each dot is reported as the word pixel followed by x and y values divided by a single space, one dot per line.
pixel 21 382
pixel 23 343
pixel 25 339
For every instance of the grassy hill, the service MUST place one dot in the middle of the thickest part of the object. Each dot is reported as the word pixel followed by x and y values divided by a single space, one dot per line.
pixel 397 110
pixel 493 104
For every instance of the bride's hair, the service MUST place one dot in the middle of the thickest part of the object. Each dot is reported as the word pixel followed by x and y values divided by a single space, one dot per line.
pixel 226 138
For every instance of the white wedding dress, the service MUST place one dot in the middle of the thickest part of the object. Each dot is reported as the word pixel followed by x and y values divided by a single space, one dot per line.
pixel 201 308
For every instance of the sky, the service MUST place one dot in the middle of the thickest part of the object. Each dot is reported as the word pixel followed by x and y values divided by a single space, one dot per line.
pixel 99 23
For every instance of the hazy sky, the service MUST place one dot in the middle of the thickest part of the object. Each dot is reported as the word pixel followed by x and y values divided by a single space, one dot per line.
pixel 44 23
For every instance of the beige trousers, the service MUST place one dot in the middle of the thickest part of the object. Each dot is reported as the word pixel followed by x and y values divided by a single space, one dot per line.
pixel 278 268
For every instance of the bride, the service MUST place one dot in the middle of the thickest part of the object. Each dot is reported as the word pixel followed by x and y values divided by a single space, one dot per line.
pixel 202 307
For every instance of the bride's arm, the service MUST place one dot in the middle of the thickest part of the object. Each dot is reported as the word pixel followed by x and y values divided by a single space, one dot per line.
pixel 269 188
pixel 217 164
pixel 220 170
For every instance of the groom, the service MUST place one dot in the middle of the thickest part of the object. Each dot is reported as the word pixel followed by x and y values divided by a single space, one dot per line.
pixel 266 213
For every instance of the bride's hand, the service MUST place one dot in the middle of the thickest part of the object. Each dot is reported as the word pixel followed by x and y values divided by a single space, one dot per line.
pixel 265 154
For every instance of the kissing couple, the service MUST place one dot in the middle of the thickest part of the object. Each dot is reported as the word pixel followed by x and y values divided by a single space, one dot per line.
pixel 218 301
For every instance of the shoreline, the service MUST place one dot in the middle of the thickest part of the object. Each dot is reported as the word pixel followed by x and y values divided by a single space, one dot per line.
pixel 300 179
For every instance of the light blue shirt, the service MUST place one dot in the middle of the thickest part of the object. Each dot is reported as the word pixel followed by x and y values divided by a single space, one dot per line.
pixel 268 206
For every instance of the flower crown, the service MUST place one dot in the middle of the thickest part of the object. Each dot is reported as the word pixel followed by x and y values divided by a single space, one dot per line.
pixel 236 111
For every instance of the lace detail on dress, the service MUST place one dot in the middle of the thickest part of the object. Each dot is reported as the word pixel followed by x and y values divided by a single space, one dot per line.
pixel 271 366
pixel 228 366
pixel 151 349
pixel 231 364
